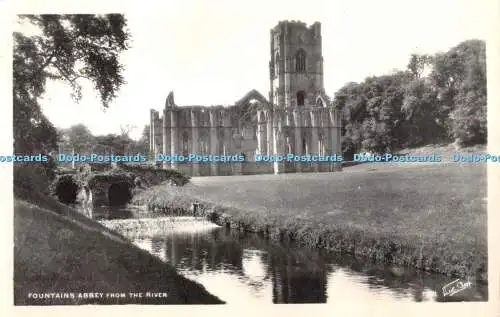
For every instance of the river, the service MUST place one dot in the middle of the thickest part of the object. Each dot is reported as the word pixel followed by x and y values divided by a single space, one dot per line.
pixel 246 268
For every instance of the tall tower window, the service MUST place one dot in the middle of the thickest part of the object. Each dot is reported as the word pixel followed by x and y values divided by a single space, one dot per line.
pixel 300 61
pixel 321 145
pixel 203 144
pixel 301 96
pixel 185 144
pixel 288 145
pixel 277 64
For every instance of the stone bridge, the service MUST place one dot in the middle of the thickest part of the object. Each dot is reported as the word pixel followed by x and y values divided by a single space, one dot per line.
pixel 112 187
pixel 108 189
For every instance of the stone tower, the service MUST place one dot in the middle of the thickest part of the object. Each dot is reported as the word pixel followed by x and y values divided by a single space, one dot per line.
pixel 296 66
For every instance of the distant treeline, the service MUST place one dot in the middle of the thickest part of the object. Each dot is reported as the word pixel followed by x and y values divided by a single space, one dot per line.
pixel 79 139
pixel 438 98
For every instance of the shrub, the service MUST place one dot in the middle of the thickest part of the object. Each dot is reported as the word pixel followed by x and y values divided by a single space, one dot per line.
pixel 36 177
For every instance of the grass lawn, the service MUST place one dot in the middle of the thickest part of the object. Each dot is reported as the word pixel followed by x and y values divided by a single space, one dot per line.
pixel 429 216
pixel 60 251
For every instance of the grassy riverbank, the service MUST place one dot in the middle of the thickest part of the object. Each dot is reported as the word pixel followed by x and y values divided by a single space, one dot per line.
pixel 57 250
pixel 428 216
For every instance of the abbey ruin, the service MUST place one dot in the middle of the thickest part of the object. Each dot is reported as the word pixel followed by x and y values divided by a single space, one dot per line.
pixel 297 118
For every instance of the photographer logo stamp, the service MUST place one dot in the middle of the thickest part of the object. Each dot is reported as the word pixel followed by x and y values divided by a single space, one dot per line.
pixel 455 287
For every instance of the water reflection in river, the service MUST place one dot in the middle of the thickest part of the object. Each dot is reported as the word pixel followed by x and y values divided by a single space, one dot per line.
pixel 249 269
pixel 245 268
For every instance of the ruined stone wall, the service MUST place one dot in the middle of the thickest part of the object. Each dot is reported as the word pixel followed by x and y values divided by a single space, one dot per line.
pixel 301 131
pixel 200 131
pixel 219 131
pixel 277 126
pixel 156 132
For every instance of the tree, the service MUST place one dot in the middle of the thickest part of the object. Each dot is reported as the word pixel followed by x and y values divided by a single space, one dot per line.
pixel 145 133
pixel 141 145
pixel 460 79
pixel 80 138
pixel 112 144
pixel 414 107
pixel 126 129
pixel 418 64
pixel 372 112
pixel 423 122
pixel 67 48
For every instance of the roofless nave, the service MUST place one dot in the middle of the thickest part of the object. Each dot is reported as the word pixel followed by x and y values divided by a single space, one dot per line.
pixel 296 119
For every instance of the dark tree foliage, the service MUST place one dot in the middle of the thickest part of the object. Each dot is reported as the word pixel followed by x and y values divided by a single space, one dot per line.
pixel 372 112
pixel 79 138
pixel 68 48
pixel 423 122
pixel 141 145
pixel 418 64
pixel 112 144
pixel 460 77
pixel 409 108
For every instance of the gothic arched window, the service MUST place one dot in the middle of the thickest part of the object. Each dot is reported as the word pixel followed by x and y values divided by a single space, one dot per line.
pixel 301 96
pixel 204 145
pixel 321 145
pixel 300 61
pixel 288 145
pixel 221 143
pixel 185 144
pixel 277 64
pixel 319 103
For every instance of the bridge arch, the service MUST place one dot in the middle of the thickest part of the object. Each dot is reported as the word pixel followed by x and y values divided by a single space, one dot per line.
pixel 66 190
pixel 119 194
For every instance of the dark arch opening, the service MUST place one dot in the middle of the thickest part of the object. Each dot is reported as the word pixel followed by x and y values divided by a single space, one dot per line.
pixel 66 191
pixel 119 194
pixel 301 96
pixel 185 144
pixel 319 103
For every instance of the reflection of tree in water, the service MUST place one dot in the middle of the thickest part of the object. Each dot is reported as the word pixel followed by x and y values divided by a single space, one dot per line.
pixel 298 276
pixel 403 282
pixel 193 251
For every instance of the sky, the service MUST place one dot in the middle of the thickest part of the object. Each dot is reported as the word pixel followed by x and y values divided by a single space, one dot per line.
pixel 214 52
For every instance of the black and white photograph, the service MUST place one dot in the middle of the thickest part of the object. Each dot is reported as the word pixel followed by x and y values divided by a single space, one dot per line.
pixel 252 153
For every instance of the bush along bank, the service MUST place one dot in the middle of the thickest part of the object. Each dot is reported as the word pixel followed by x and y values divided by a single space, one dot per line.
pixel 420 252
